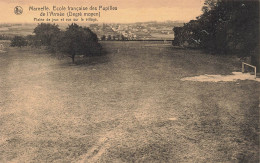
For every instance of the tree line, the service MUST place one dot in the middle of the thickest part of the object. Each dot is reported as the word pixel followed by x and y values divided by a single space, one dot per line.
pixel 113 38
pixel 225 27
pixel 75 40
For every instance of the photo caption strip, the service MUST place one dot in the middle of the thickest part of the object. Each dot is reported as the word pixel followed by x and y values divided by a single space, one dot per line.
pixel 70 13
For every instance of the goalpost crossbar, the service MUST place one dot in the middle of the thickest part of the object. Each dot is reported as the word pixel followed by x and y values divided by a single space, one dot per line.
pixel 243 67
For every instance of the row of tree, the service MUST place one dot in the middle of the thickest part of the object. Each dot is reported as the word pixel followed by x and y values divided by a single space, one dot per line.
pixel 113 38
pixel 225 27
pixel 75 40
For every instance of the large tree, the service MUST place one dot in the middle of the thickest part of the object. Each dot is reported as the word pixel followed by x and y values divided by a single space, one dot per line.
pixel 76 40
pixel 45 32
pixel 225 27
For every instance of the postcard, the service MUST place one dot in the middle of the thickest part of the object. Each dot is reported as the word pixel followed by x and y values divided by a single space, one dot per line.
pixel 129 81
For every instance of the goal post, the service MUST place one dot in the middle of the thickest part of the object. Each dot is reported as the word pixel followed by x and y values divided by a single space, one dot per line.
pixel 243 67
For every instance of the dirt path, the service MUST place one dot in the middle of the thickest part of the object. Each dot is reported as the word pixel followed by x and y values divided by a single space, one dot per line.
pixel 128 106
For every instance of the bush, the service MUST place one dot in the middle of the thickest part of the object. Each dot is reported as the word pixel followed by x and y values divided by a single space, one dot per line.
pixel 18 41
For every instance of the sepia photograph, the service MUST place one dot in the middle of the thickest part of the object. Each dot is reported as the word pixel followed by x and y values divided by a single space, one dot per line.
pixel 129 81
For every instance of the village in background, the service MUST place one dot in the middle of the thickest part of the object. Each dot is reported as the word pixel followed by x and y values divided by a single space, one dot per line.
pixel 106 31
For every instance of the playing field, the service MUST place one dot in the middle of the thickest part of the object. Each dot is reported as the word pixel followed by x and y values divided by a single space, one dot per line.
pixel 128 106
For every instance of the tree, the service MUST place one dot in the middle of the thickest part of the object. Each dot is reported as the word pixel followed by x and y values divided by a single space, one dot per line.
pixel 225 27
pixel 103 38
pixel 76 40
pixel 33 41
pixel 46 32
pixel 209 5
pixel 18 41
pixel 109 37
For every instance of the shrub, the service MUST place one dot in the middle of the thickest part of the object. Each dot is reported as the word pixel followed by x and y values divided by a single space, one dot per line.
pixel 18 41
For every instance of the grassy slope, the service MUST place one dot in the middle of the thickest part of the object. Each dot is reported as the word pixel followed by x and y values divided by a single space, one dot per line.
pixel 117 108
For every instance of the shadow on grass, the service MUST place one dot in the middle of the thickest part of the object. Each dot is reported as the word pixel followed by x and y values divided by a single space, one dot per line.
pixel 86 60
pixel 91 61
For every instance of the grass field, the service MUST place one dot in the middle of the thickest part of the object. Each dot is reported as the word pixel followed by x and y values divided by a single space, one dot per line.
pixel 127 106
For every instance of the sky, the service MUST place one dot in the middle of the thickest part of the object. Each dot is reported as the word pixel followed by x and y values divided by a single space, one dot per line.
pixel 128 11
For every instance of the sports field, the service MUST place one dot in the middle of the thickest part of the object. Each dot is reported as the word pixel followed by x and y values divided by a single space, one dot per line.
pixel 128 106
